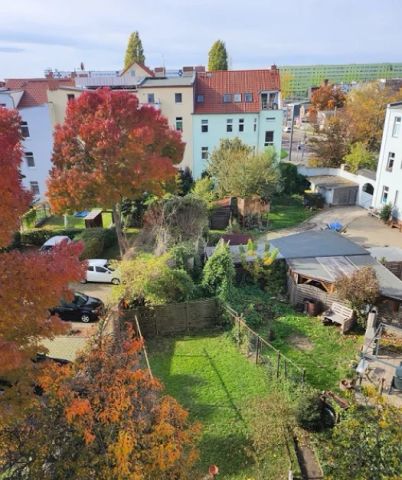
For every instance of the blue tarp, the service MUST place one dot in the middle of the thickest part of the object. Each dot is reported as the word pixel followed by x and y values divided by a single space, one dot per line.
pixel 82 214
pixel 335 226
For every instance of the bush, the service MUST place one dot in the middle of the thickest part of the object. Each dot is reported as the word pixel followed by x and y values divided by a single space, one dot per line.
pixel 313 200
pixel 310 412
pixel 183 256
pixel 385 212
pixel 93 247
pixel 96 240
pixel 219 272
pixel 38 237
pixel 147 279
pixel 292 181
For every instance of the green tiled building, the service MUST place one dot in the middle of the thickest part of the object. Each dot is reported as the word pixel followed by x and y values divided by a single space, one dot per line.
pixel 300 78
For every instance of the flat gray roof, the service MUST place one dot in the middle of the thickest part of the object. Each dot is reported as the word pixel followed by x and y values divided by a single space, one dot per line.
pixel 168 82
pixel 365 172
pixel 391 254
pixel 331 181
pixel 315 243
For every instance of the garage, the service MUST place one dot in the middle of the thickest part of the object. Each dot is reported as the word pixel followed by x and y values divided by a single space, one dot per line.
pixel 337 191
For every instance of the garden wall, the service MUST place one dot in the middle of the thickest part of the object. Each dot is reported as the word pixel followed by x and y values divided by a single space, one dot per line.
pixel 173 318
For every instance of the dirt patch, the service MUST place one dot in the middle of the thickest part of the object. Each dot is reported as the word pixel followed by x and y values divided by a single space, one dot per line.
pixel 301 342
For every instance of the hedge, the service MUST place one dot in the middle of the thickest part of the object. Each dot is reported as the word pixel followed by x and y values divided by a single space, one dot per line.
pixel 38 237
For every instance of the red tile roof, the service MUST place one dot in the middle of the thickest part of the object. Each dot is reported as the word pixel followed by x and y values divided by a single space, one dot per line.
pixel 35 89
pixel 141 65
pixel 213 85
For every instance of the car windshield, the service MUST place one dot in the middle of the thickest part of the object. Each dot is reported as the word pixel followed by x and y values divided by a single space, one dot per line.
pixel 80 299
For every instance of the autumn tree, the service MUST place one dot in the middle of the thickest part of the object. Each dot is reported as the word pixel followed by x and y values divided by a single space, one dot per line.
pixel 134 51
pixel 328 97
pixel 237 171
pixel 361 289
pixel 218 56
pixel 31 283
pixel 102 417
pixel 330 146
pixel 360 157
pixel 365 111
pixel 108 149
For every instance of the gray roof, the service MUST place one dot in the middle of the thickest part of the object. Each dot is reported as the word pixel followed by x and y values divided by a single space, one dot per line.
pixel 331 181
pixel 315 243
pixel 329 269
pixel 186 81
pixel 391 254
pixel 365 172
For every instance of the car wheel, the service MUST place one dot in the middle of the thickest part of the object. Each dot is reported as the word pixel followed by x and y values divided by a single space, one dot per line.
pixel 83 280
pixel 85 318
pixel 115 281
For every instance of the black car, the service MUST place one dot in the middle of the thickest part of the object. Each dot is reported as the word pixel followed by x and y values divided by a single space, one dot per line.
pixel 81 309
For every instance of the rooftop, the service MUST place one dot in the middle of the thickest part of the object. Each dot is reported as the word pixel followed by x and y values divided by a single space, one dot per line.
pixel 213 85
pixel 186 81
pixel 35 89
pixel 315 243
pixel 331 181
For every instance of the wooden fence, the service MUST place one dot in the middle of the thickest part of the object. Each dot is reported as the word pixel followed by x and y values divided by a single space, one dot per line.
pixel 263 352
pixel 173 318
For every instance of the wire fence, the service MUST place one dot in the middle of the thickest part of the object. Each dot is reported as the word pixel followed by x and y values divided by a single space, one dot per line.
pixel 251 344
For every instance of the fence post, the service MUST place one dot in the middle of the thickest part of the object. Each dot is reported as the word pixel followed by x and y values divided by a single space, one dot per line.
pixel 286 368
pixel 186 310
pixel 238 335
pixel 257 353
pixel 303 376
pixel 278 364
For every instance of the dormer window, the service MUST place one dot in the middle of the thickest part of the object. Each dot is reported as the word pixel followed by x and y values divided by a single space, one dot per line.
pixel 227 98
pixel 200 98
pixel 237 97
pixel 248 97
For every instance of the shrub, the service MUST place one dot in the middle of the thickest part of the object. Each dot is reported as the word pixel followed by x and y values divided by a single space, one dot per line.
pixel 147 279
pixel 38 237
pixel 183 256
pixel 219 272
pixel 310 412
pixel 385 212
pixel 292 181
pixel 93 247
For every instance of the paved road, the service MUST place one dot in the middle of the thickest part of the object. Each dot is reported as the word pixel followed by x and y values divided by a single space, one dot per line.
pixel 98 290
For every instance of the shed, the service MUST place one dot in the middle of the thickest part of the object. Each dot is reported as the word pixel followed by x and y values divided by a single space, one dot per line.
pixel 94 218
pixel 335 190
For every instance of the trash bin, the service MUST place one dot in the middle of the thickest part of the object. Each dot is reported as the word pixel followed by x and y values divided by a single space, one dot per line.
pixel 310 307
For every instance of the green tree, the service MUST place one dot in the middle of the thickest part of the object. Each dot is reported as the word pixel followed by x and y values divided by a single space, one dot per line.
pixel 134 51
pixel 331 145
pixel 219 272
pixel 360 157
pixel 203 189
pixel 237 171
pixel 218 56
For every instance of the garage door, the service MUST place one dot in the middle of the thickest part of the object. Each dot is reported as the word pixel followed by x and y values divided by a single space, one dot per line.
pixel 345 196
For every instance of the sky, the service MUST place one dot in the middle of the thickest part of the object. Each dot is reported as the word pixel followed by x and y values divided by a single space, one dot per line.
pixel 38 34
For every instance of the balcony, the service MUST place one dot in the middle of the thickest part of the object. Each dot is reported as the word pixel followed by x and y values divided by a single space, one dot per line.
pixel 269 100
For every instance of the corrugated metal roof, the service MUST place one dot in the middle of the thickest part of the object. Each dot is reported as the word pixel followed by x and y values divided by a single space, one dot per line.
pixel 315 243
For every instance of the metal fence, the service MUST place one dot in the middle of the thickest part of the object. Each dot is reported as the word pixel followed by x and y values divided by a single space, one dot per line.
pixel 262 352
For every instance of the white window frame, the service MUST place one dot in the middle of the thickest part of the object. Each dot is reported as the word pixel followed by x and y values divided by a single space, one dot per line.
pixel 396 129
pixel 151 98
pixel 204 126
pixel 227 98
pixel 229 125
pixel 266 143
pixel 34 186
pixel 241 124
pixel 179 124
pixel 24 128
pixel 237 97
pixel 385 191
pixel 29 155
pixel 390 161
pixel 204 153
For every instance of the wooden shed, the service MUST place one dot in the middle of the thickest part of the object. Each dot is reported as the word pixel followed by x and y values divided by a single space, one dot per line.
pixel 94 218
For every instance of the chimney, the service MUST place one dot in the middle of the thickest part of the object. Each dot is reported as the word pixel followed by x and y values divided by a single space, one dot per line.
pixel 274 67
pixel 187 71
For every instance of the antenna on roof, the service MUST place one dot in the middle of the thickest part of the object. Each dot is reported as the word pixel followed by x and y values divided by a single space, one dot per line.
pixel 82 66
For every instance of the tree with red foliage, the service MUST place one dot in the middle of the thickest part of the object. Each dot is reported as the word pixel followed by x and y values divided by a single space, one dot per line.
pixel 110 148
pixel 104 418
pixel 30 282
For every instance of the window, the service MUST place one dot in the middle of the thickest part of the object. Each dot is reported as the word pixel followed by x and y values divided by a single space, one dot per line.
pixel 390 162
pixel 385 193
pixel 227 98
pixel 100 270
pixel 34 188
pixel 269 138
pixel 24 129
pixel 151 98
pixel 255 125
pixel 229 125
pixel 204 126
pixel 204 153
pixel 179 124
pixel 248 97
pixel 90 269
pixel 241 124
pixel 200 98
pixel 237 97
pixel 30 159
pixel 178 98
pixel 70 97
pixel 397 127
pixel 2 104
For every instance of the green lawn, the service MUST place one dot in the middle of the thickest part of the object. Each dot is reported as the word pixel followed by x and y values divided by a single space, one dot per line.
pixel 286 213
pixel 209 377
pixel 56 222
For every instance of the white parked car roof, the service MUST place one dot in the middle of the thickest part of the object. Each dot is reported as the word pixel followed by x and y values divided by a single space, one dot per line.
pixel 97 261
pixel 52 241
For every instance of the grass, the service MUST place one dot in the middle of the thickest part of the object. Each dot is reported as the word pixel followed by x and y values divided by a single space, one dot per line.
pixel 56 222
pixel 210 378
pixel 321 350
pixel 287 213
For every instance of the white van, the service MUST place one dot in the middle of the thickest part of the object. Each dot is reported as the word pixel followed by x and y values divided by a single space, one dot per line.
pixel 53 241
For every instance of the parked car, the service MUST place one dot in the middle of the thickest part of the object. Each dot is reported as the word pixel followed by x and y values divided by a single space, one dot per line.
pixel 53 241
pixel 287 129
pixel 81 309
pixel 99 270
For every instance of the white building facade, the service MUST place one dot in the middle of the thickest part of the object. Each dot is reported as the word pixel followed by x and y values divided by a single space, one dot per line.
pixel 389 170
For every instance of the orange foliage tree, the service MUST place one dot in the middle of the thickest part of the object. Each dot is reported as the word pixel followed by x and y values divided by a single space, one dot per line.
pixel 30 283
pixel 103 417
pixel 328 97
pixel 110 148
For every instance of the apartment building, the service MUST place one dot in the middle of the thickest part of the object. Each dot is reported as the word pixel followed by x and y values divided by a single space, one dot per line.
pixel 236 103
pixel 301 78
pixel 389 170
pixel 29 97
